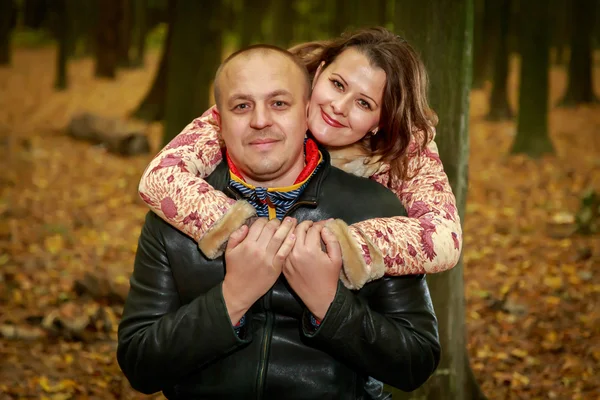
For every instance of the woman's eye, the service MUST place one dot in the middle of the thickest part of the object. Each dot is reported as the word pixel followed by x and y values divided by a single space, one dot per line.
pixel 364 104
pixel 337 84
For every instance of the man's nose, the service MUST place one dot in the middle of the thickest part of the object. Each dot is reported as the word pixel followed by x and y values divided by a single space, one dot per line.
pixel 261 117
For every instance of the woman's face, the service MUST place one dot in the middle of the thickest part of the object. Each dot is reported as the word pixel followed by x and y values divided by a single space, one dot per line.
pixel 346 100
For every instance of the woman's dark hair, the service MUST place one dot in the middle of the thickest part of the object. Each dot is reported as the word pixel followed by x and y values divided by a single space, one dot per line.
pixel 405 111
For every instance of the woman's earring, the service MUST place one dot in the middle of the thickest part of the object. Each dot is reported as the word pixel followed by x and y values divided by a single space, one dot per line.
pixel 374 131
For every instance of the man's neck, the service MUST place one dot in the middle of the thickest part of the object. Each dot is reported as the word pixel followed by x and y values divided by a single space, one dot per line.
pixel 287 179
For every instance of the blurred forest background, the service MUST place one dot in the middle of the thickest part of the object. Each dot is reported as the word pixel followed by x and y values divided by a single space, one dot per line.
pixel 90 90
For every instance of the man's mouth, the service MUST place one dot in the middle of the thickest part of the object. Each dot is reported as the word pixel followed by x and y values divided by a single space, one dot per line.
pixel 330 121
pixel 263 143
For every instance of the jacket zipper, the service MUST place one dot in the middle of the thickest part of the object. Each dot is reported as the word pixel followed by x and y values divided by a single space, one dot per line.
pixel 298 204
pixel 265 349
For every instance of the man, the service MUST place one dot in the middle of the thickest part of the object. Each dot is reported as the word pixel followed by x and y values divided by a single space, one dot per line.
pixel 271 319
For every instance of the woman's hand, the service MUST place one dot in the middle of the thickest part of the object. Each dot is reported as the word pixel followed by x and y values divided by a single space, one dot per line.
pixel 312 272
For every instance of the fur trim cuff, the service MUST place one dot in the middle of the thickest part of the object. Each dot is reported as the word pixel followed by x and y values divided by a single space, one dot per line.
pixel 355 271
pixel 213 243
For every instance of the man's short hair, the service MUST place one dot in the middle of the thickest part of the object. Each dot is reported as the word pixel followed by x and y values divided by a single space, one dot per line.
pixel 264 49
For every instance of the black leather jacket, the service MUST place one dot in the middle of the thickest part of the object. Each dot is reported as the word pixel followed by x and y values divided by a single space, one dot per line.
pixel 176 336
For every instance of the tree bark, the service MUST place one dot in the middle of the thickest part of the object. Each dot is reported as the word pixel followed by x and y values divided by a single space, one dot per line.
pixel 124 33
pixel 559 40
pixel 107 38
pixel 580 89
pixel 499 107
pixel 140 8
pixel 152 108
pixel 485 39
pixel 445 42
pixel 532 124
pixel 62 32
pixel 254 13
pixel 194 56
pixel 283 20
pixel 8 13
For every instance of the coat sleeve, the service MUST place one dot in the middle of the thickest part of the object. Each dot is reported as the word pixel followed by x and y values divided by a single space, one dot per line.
pixel 429 238
pixel 161 340
pixel 387 330
pixel 173 186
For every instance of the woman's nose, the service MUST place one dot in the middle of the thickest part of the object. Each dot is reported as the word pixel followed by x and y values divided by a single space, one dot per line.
pixel 340 106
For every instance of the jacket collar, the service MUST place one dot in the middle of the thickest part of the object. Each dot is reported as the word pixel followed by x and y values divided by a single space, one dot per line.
pixel 220 180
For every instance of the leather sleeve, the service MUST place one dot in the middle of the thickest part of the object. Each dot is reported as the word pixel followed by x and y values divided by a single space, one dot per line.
pixel 160 340
pixel 387 330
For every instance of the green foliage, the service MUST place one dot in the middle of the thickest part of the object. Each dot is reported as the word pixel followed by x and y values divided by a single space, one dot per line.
pixel 588 216
pixel 156 37
pixel 31 38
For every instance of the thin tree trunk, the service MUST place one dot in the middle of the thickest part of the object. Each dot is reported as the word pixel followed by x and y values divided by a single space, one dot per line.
pixel 254 13
pixel 124 34
pixel 532 125
pixel 107 38
pixel 8 13
pixel 140 8
pixel 580 89
pixel 487 31
pixel 283 20
pixel 63 35
pixel 559 15
pixel 499 107
pixel 448 31
pixel 194 57
pixel 152 108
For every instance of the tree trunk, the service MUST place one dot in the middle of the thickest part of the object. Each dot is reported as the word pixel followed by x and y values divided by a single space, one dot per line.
pixel 127 138
pixel 8 13
pixel 107 38
pixel 194 57
pixel 532 124
pixel 499 107
pixel 581 89
pixel 254 14
pixel 140 8
pixel 62 32
pixel 283 20
pixel 34 13
pixel 485 39
pixel 152 108
pixel 559 15
pixel 445 43
pixel 124 34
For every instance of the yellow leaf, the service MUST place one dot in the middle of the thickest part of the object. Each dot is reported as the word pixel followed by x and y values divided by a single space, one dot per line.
pixel 555 282
pixel 54 244
pixel 552 300
pixel 69 359
pixel 518 353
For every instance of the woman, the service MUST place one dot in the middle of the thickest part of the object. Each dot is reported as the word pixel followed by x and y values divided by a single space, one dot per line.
pixel 369 108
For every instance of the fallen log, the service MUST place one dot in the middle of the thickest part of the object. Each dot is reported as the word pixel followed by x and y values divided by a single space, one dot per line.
pixel 122 137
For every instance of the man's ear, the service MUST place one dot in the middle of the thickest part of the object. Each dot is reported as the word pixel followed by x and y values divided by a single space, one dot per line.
pixel 318 73
pixel 217 116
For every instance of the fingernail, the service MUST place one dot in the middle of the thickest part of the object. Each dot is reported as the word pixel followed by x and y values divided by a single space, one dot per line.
pixel 292 237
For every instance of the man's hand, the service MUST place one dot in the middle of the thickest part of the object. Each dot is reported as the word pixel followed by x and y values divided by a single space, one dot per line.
pixel 254 258
pixel 311 272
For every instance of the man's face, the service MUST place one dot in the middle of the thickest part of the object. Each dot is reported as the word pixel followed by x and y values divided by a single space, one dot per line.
pixel 263 110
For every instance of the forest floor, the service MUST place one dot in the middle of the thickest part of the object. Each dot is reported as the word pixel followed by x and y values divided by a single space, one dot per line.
pixel 70 217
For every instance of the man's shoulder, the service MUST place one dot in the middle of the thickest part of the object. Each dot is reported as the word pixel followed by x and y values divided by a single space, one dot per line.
pixel 359 186
pixel 358 198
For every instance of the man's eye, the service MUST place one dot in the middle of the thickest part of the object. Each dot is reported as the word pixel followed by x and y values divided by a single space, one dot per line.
pixel 241 106
pixel 280 104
